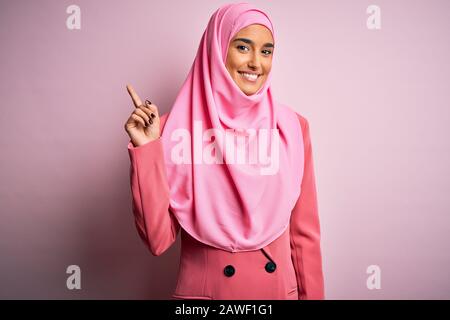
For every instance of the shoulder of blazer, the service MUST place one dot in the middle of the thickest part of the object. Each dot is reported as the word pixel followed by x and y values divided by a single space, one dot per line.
pixel 303 122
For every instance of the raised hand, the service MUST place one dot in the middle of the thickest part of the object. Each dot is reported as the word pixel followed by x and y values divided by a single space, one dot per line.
pixel 144 123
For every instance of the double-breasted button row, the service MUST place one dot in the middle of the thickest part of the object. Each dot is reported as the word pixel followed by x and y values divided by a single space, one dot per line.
pixel 229 269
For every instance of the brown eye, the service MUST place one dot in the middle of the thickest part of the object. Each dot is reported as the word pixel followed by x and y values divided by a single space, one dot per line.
pixel 241 46
pixel 267 52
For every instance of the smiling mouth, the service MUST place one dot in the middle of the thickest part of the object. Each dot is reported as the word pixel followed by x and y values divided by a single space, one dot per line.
pixel 252 77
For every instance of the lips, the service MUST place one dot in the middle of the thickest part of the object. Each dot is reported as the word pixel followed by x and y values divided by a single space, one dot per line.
pixel 250 76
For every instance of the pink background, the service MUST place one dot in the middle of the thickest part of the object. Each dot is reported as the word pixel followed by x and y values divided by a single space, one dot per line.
pixel 377 102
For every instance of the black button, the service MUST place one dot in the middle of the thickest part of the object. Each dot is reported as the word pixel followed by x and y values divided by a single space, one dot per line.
pixel 270 266
pixel 229 270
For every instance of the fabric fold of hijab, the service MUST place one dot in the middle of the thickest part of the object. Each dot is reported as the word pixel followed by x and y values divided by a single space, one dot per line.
pixel 234 161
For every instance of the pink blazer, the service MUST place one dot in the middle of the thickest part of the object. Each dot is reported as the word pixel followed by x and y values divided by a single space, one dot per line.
pixel 288 268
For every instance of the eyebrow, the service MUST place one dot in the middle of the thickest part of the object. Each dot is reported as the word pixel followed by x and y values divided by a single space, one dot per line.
pixel 268 44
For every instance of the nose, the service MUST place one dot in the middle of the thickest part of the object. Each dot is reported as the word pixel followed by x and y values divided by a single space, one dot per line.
pixel 254 61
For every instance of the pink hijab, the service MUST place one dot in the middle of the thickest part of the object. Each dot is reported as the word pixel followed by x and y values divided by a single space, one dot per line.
pixel 234 205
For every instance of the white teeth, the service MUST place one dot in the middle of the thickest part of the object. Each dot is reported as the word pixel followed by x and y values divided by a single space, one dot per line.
pixel 251 77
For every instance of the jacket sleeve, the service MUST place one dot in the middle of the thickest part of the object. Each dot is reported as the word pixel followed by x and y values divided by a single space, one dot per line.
pixel 156 225
pixel 305 230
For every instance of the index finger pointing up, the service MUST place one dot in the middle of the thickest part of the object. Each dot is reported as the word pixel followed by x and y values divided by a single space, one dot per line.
pixel 136 100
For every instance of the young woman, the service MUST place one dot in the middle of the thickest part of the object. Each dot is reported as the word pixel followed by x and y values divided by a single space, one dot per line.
pixel 233 169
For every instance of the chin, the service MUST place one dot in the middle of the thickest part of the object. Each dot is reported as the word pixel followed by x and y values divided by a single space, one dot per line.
pixel 249 91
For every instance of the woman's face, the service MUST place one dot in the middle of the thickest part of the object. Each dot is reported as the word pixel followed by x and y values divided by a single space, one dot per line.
pixel 249 57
